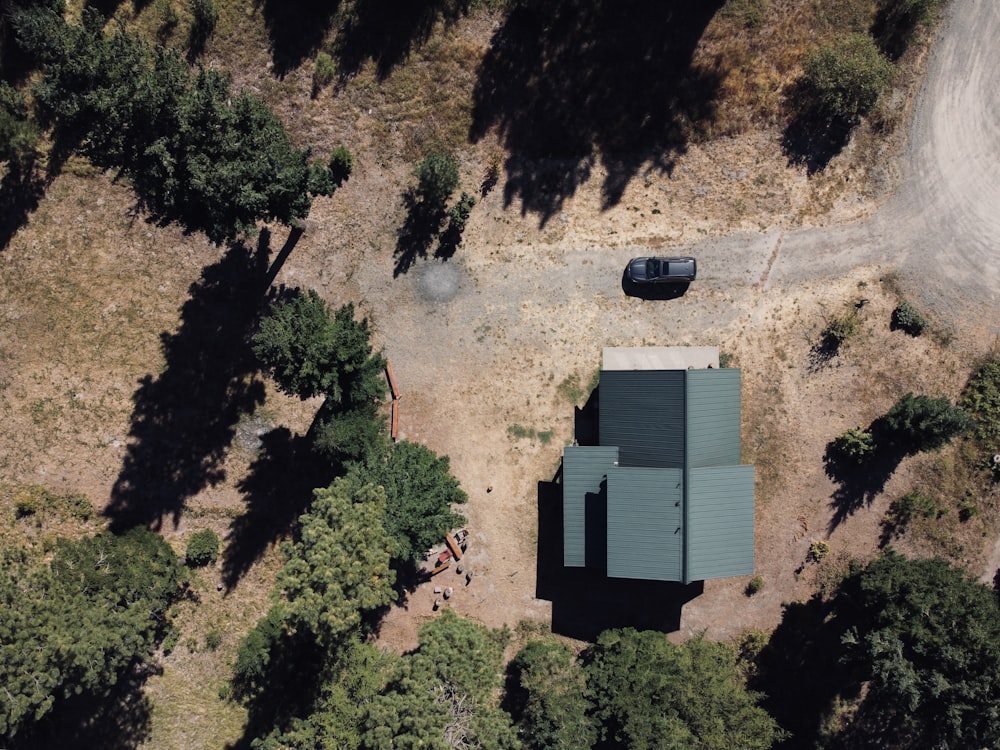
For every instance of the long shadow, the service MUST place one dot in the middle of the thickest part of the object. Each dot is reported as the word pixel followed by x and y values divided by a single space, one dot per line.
pixel 415 237
pixel 185 418
pixel 386 31
pixel 568 82
pixel 277 490
pixel 653 291
pixel 20 191
pixel 296 29
pixel 800 670
pixel 813 141
pixel 860 483
pixel 118 720
pixel 585 602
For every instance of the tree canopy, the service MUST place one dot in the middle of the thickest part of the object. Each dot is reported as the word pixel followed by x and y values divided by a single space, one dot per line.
pixel 195 151
pixel 649 693
pixel 551 705
pixel 441 696
pixel 338 571
pixel 420 492
pixel 76 625
pixel 925 640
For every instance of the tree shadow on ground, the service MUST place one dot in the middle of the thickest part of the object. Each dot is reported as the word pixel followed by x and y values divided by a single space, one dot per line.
pixel 859 483
pixel 415 237
pixel 812 141
pixel 823 352
pixel 585 602
pixel 185 418
pixel 800 671
pixel 289 687
pixel 20 192
pixel 277 490
pixel 386 31
pixel 568 82
pixel 118 720
pixel 296 29
pixel 653 291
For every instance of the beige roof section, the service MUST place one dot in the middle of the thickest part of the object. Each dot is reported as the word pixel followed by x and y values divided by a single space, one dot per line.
pixel 660 357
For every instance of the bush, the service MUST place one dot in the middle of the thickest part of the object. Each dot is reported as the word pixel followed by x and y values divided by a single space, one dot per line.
pixel 981 399
pixel 323 72
pixel 818 551
pixel 856 444
pixel 839 330
pixel 202 548
pixel 925 423
pixel 459 213
pixel 911 506
pixel 843 81
pixel 906 318
pixel 341 165
pixel 437 178
pixel 755 585
pixel 213 639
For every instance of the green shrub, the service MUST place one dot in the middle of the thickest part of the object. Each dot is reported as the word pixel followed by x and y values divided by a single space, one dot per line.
pixel 202 548
pixel 856 444
pixel 842 328
pixel 213 639
pixel 755 585
pixel 906 318
pixel 843 80
pixel 437 178
pixel 341 165
pixel 818 551
pixel 459 213
pixel 925 423
pixel 902 511
pixel 323 72
pixel 981 400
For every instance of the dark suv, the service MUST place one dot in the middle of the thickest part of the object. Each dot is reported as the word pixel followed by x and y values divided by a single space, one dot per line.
pixel 662 270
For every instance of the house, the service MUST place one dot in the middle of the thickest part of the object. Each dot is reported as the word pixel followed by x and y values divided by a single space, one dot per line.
pixel 663 496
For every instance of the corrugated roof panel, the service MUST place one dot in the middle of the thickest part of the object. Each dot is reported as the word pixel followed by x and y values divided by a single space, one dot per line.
pixel 584 467
pixel 713 417
pixel 642 412
pixel 720 530
pixel 645 539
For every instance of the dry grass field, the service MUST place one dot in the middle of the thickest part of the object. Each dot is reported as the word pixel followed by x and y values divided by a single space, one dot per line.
pixel 105 317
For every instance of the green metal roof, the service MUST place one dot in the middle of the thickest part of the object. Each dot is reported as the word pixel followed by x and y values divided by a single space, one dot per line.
pixel 584 469
pixel 720 511
pixel 642 412
pixel 679 506
pixel 713 417
pixel 645 539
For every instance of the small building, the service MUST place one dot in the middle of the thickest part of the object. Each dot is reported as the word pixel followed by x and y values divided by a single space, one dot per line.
pixel 663 496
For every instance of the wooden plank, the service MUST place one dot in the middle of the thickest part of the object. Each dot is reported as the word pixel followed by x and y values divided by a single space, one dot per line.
pixel 394 430
pixel 440 568
pixel 453 546
pixel 393 387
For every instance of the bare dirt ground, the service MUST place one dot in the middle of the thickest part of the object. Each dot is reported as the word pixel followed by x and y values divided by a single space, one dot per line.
pixel 504 334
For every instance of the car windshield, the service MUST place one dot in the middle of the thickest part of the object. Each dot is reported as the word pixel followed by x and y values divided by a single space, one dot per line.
pixel 652 268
